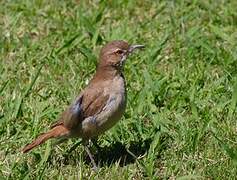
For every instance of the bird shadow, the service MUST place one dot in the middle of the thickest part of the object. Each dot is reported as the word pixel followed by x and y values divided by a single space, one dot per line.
pixel 119 153
pixel 123 155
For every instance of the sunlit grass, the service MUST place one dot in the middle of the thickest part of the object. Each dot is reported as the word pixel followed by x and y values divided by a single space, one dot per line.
pixel 180 121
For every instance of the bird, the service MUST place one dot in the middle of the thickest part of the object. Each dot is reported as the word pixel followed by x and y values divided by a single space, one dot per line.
pixel 99 106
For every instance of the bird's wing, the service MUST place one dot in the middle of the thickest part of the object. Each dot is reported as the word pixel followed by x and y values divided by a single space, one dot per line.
pixel 72 115
pixel 94 101
pixel 89 103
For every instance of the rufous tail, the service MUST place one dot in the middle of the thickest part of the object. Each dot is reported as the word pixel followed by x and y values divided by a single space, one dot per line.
pixel 55 132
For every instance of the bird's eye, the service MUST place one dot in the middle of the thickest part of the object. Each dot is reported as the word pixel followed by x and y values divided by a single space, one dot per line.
pixel 119 51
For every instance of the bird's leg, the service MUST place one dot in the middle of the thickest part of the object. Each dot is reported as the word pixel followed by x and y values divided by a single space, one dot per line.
pixel 90 155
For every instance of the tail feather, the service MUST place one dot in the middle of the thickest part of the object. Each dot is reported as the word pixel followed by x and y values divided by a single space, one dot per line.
pixel 55 132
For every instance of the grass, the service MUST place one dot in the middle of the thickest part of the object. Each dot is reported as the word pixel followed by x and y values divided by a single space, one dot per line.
pixel 180 122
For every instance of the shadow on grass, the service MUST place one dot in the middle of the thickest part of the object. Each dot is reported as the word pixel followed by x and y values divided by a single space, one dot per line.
pixel 118 152
pixel 114 153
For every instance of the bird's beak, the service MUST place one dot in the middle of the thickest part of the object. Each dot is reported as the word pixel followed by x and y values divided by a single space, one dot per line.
pixel 133 47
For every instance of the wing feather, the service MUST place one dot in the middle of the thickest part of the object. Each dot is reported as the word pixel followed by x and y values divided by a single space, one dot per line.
pixel 90 103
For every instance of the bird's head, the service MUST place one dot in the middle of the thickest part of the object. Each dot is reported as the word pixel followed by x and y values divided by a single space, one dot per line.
pixel 116 52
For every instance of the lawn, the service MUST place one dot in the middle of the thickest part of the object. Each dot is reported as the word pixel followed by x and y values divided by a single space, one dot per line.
pixel 180 121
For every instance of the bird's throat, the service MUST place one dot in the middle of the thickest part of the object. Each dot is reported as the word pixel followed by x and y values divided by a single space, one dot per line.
pixel 108 72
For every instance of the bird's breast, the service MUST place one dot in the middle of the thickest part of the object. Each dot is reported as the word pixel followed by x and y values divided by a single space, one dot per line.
pixel 111 112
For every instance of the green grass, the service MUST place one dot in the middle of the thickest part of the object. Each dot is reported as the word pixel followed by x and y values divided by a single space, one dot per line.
pixel 180 121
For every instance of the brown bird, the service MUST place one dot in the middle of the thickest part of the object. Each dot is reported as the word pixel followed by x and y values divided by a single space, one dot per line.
pixel 100 105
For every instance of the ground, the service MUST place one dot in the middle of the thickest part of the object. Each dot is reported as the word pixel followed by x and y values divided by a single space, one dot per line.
pixel 180 121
